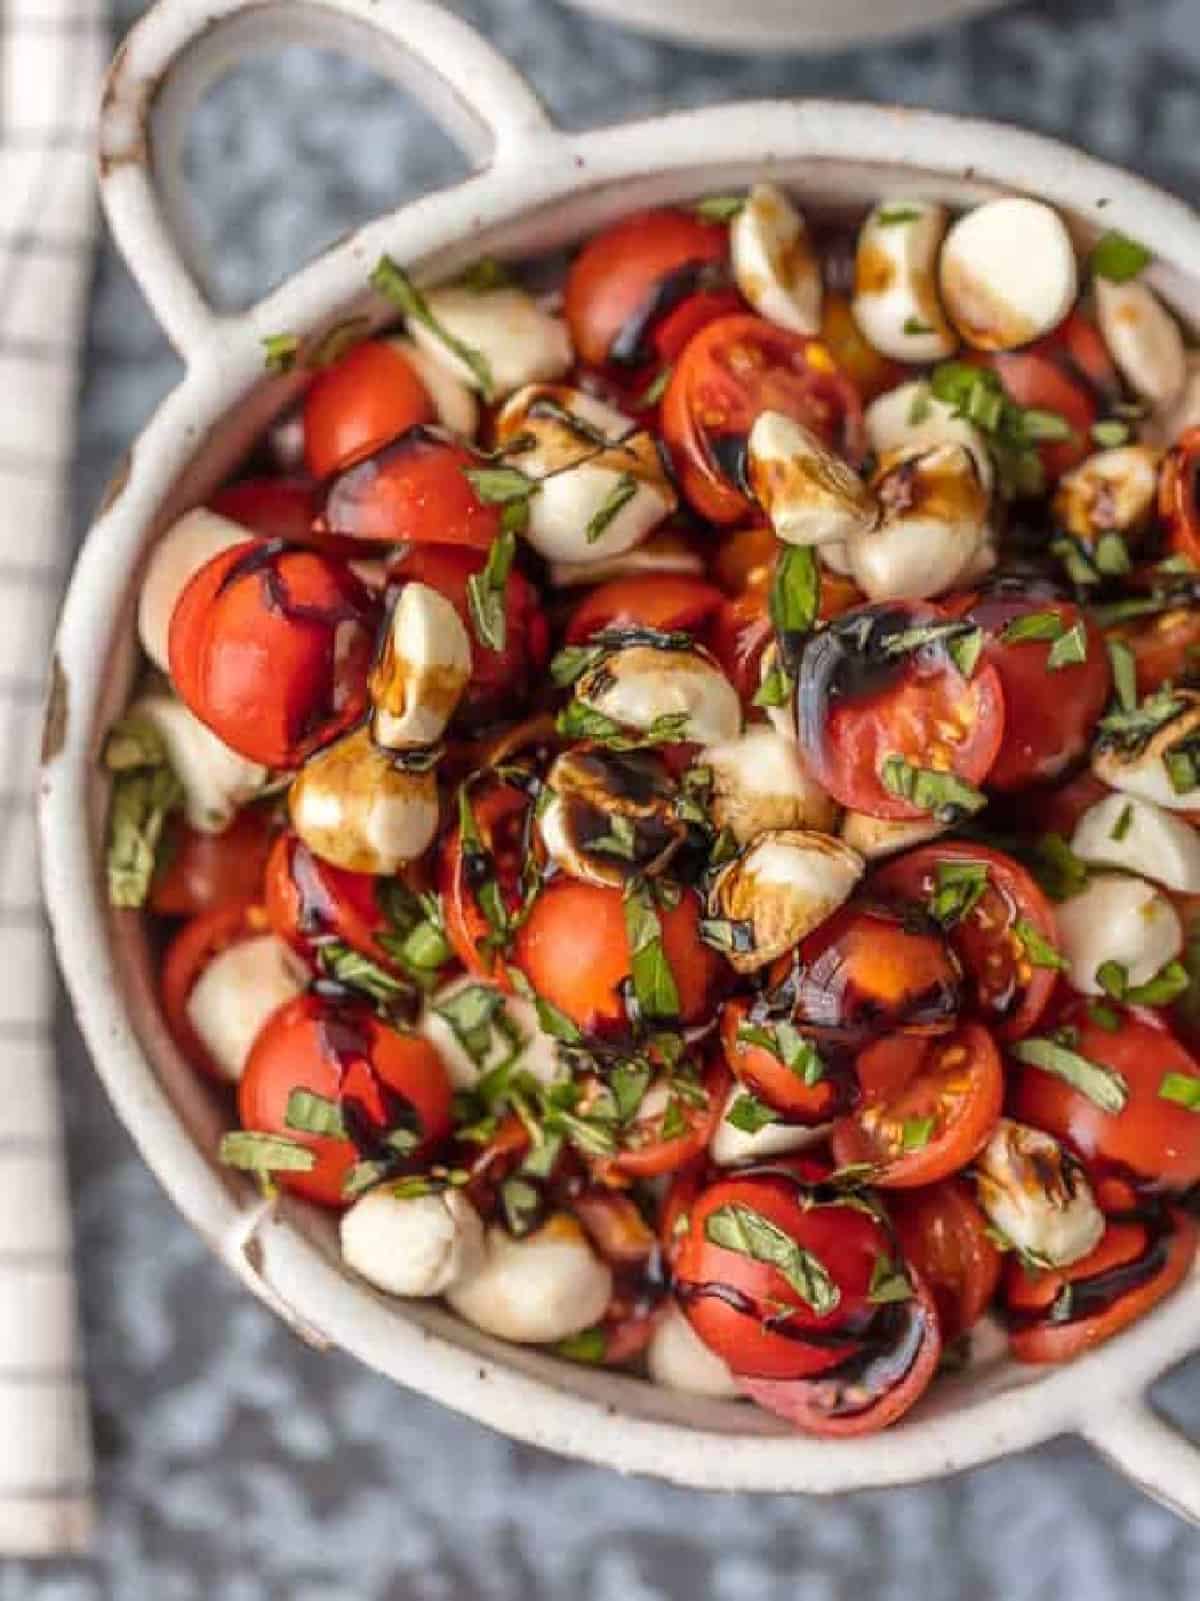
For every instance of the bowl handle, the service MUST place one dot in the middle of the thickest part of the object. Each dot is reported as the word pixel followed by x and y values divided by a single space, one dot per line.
pixel 181 47
pixel 1152 1452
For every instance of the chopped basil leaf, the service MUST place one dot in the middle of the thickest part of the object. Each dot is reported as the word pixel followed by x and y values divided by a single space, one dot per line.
pixel 1037 947
pixel 891 216
pixel 484 274
pixel 1182 762
pixel 889 1281
pixel 336 341
pixel 914 325
pixel 487 593
pixel 1102 1085
pixel 1044 426
pixel 265 1153
pixel 629 1082
pixel 959 887
pixel 719 208
pixel 921 408
pixel 618 497
pixel 354 971
pixel 391 281
pixel 579 721
pixel 1111 555
pixel 314 1114
pixel 785 1042
pixel 507 487
pixel 363 1176
pixel 674 1123
pixel 1167 985
pixel 1109 433
pixel 1034 625
pixel 794 599
pixel 555 1023
pixel 281 351
pixel 414 938
pixel 776 689
pixel 1057 868
pixel 655 389
pixel 1069 650
pixel 965 650
pixel 1131 730
pixel 740 1228
pixel 1104 1017
pixel 472 1014
pixel 1123 823
pixel 916 1133
pixel 943 795
pixel 572 662
pixel 749 1114
pixel 521 1204
pixel 653 982
pixel 724 935
pixel 142 801
pixel 1117 257
pixel 1124 672
pixel 1182 1088
pixel 590 1346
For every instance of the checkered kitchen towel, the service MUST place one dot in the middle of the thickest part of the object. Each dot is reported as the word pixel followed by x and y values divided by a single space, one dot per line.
pixel 52 54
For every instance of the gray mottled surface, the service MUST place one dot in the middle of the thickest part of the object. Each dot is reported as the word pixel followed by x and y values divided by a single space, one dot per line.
pixel 236 1464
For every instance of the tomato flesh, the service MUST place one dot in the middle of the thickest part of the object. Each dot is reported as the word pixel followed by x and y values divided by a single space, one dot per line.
pixel 944 1237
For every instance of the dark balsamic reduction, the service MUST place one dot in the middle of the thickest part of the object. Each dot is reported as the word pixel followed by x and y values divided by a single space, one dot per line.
pixel 1091 1296
pixel 728 452
pixel 315 910
pixel 629 348
pixel 341 512
pixel 264 560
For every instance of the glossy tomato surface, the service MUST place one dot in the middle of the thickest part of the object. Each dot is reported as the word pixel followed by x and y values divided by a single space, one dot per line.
pixel 668 603
pixel 203 871
pixel 415 488
pixel 309 900
pixel 944 1236
pixel 198 942
pixel 1178 505
pixel 275 508
pixel 366 398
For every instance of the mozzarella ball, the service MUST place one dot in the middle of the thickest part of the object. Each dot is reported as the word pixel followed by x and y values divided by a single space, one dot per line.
pixel 519 342
pixel 781 886
pixel 760 782
pixel 1008 273
pixel 1117 918
pixel 1123 831
pixel 237 992
pixel 216 781
pixel 1143 339
pixel 412 1245
pixel 910 418
pixel 774 263
pixel 187 545
pixel 610 815
pixel 933 527
pixel 876 837
pixel 810 494
pixel 1145 772
pixel 422 669
pixel 896 303
pixel 1036 1194
pixel 664 551
pixel 354 808
pixel 1165 424
pixel 733 1147
pixel 638 684
pixel 1111 490
pixel 678 1359
pixel 455 404
pixel 538 1289
pixel 469 1049
pixel 602 484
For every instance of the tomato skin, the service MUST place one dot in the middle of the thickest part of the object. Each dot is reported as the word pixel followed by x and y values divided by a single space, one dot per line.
pixel 845 1241
pixel 667 603
pixel 621 270
pixel 365 398
pixel 729 372
pixel 1041 1340
pixel 274 508
pixel 1007 990
pixel 500 679
pixel 206 870
pixel 771 1080
pixel 1177 505
pixel 805 1402
pixel 347 1055
pixel 855 708
pixel 574 950
pixel 674 1212
pixel 960 1084
pixel 1049 714
pixel 738 636
pixel 414 488
pixel 1165 647
pixel 658 1156
pixel 1153 1140
pixel 308 899
pixel 870 373
pixel 270 647
pixel 944 1237
pixel 502 814
pixel 197 943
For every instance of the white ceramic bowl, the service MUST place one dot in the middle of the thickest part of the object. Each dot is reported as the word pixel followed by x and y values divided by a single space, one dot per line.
pixel 536 188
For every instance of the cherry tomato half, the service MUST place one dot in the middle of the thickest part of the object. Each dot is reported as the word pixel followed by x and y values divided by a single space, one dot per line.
pixel 944 1236
pixel 997 922
pixel 270 646
pixel 1155 1139
pixel 501 815
pixel 274 508
pixel 1165 646
pixel 201 939
pixel 309 899
pixel 872 701
pixel 667 603
pixel 646 1152
pixel 414 488
pixel 203 871
pixel 937 1122
pixel 367 397
pixel 380 1080
pixel 732 370
pixel 739 634
pixel 629 277
pixel 1055 1314
pixel 574 950
pixel 1178 505
pixel 770 1079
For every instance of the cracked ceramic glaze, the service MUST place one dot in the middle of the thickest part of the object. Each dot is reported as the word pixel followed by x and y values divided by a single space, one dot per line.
pixel 239 1458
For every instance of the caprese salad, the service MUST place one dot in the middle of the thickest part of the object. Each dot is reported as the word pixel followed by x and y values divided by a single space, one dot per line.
pixel 670 800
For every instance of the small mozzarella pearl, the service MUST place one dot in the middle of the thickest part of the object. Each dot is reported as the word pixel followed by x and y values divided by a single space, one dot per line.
pixel 188 545
pixel 678 1359
pixel 237 992
pixel 417 1245
pixel 1008 273
pixel 217 782
pixel 733 1147
pixel 520 343
pixel 1143 339
pixel 1036 1195
pixel 896 303
pixel 774 264
pixel 1126 832
pixel 1117 918
pixel 538 1289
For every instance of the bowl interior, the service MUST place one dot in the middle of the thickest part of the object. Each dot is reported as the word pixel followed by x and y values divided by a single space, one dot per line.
pixel 291 1257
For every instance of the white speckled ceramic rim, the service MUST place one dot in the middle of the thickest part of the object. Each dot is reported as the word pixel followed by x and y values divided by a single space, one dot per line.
pixel 537 186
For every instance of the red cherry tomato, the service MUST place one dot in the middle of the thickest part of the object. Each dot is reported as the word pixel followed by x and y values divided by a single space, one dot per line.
pixel 996 938
pixel 944 1237
pixel 1178 505
pixel 1154 1139
pixel 309 900
pixel 275 508
pixel 869 372
pixel 646 1152
pixel 1165 646
pixel 667 603
pixel 502 815
pixel 764 1322
pixel 501 680
pixel 270 647
pixel 201 939
pixel 1057 1313
pixel 1068 371
pixel 414 488
pixel 732 370
pixel 574 950
pixel 674 1215
pixel 739 634
pixel 1050 712
pixel 629 277
pixel 863 699
pixel 768 1077
pixel 872 1390
pixel 204 871
pixel 938 1121
pixel 380 1079
pixel 367 397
